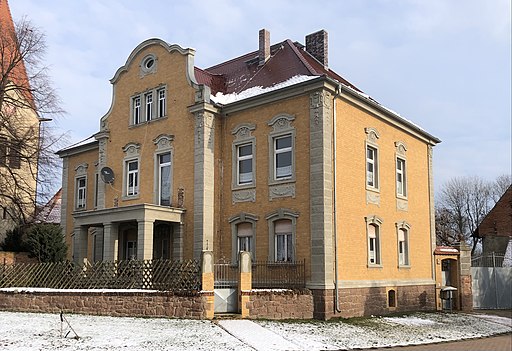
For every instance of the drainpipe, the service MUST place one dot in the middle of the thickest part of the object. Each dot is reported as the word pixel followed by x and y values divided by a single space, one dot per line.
pixel 336 287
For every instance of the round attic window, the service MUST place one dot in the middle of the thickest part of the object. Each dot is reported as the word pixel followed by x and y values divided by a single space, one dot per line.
pixel 148 64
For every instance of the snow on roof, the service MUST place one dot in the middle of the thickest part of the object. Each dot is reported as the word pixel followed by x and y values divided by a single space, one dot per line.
pixel 222 99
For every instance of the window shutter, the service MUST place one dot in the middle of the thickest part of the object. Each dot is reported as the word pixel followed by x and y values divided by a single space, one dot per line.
pixel 244 229
pixel 371 231
pixel 283 226
pixel 401 235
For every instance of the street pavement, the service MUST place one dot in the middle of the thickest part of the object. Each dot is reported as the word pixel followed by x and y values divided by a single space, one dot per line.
pixel 493 343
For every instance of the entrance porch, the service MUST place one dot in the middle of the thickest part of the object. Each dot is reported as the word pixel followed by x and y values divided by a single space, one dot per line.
pixel 142 232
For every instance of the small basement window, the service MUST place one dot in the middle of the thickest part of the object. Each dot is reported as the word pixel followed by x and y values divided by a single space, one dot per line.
pixel 391 298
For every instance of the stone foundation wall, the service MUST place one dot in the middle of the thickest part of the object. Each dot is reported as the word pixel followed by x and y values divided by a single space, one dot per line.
pixel 359 302
pixel 134 304
pixel 286 304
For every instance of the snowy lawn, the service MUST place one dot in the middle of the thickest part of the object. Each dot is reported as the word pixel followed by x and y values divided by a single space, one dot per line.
pixel 33 331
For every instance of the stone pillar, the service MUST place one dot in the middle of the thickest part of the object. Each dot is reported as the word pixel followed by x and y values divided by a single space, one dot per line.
pixel 145 240
pixel 321 191
pixel 465 280
pixel 207 282
pixel 204 175
pixel 110 241
pixel 80 244
pixel 244 283
pixel 177 241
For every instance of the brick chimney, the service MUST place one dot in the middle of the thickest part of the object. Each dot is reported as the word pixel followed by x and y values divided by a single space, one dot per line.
pixel 316 45
pixel 264 50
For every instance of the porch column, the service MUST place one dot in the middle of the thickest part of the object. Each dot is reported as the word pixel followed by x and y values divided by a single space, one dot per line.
pixel 144 240
pixel 177 241
pixel 79 244
pixel 110 241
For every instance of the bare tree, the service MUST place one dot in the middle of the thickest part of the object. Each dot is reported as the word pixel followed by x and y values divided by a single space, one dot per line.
pixel 500 186
pixel 462 204
pixel 27 160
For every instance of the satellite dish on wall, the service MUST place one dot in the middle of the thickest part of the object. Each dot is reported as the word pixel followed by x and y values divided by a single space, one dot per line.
pixel 107 175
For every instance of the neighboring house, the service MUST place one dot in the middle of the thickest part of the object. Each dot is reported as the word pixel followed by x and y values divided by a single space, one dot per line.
pixel 496 228
pixel 51 211
pixel 272 153
pixel 19 132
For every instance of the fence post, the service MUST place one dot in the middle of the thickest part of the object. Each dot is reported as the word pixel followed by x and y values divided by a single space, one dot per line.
pixel 464 267
pixel 207 282
pixel 245 283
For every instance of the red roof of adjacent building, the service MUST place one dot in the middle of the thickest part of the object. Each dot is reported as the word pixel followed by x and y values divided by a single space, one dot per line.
pixel 9 53
pixel 498 221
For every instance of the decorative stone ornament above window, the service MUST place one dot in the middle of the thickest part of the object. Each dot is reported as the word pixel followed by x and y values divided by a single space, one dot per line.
pixel 131 149
pixel 163 142
pixel 401 148
pixel 281 123
pixel 148 65
pixel 243 131
pixel 81 169
pixel 372 135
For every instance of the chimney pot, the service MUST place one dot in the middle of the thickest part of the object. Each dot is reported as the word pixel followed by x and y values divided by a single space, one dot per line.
pixel 317 46
pixel 264 48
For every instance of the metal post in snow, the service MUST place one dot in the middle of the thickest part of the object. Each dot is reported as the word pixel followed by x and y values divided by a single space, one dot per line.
pixel 495 279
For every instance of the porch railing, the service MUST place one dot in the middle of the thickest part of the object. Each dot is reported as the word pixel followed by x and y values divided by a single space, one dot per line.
pixel 162 275
pixel 272 275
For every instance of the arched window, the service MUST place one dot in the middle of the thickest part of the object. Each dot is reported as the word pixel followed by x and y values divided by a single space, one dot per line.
pixel 403 243
pixel 282 235
pixel 243 230
pixel 373 224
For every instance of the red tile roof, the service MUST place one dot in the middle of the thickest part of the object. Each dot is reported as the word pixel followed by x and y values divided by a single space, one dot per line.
pixel 287 59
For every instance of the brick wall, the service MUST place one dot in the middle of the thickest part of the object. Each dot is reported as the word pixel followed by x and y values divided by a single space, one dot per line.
pixel 286 304
pixel 134 304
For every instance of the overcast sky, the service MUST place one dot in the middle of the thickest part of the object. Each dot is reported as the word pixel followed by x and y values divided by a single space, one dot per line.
pixel 444 64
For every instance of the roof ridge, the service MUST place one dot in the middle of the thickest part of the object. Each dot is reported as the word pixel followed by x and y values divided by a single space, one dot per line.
pixel 301 58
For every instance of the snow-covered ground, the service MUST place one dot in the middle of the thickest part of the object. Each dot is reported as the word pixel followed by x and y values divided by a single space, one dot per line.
pixel 31 331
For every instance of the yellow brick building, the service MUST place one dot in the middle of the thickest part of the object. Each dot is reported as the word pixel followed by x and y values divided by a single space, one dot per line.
pixel 271 153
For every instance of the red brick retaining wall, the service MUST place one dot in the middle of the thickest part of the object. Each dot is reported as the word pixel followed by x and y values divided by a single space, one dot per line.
pixel 275 304
pixel 135 304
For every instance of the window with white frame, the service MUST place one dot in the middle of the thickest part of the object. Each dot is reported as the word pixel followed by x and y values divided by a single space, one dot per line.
pixel 283 157
pixel 372 167
pixel 148 100
pixel 81 192
pixel 132 178
pixel 281 150
pixel 136 115
pixel 244 155
pixel 373 245
pixel 401 180
pixel 243 229
pixel 164 179
pixel 149 105
pixel 373 226
pixel 283 240
pixel 245 237
pixel 161 102
pixel 403 243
